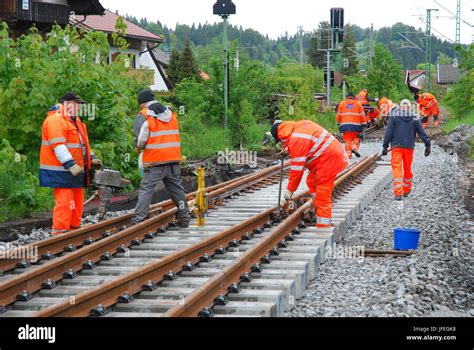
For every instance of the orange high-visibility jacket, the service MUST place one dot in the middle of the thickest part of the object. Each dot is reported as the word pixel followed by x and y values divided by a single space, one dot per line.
pixel 65 142
pixel 350 116
pixel 362 98
pixel 164 141
pixel 386 106
pixel 373 115
pixel 309 146
pixel 428 105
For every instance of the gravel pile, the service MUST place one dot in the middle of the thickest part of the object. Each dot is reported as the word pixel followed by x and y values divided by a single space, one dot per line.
pixel 435 282
pixel 45 233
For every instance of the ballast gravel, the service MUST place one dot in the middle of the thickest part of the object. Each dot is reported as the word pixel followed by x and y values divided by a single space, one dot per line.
pixel 436 282
pixel 45 233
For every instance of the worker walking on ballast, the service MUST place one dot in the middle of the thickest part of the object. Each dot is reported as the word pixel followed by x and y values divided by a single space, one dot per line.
pixel 157 133
pixel 403 126
pixel 66 160
pixel 312 147
pixel 352 123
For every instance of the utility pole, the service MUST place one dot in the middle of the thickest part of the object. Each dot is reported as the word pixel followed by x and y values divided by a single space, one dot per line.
pixel 226 72
pixel 225 8
pixel 458 22
pixel 428 47
pixel 329 74
pixel 301 33
pixel 372 44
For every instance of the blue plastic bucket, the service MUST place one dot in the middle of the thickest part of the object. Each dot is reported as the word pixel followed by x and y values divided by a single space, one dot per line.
pixel 406 238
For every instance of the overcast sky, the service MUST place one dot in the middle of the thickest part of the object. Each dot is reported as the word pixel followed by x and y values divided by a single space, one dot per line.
pixel 274 17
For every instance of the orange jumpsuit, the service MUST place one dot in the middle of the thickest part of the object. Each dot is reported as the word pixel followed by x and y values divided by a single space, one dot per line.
pixel 372 116
pixel 314 148
pixel 65 142
pixel 351 119
pixel 428 107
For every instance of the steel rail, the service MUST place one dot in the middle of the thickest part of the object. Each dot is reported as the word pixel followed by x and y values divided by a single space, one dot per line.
pixel 32 280
pixel 47 249
pixel 205 295
pixel 131 283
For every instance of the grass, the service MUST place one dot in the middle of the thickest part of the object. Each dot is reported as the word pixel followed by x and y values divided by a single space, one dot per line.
pixel 453 123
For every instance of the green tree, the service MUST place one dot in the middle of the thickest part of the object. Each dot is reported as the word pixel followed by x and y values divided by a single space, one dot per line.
pixel 173 69
pixel 183 65
pixel 350 64
pixel 385 77
pixel 317 58
pixel 460 99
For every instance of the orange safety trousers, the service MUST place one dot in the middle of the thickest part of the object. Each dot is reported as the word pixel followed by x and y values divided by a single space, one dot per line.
pixel 352 142
pixel 402 159
pixel 67 214
pixel 323 189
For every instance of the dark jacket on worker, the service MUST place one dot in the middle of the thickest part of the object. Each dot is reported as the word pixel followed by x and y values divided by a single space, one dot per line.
pixel 403 127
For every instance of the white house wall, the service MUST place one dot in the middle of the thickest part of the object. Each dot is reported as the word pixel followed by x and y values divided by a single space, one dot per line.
pixel 146 61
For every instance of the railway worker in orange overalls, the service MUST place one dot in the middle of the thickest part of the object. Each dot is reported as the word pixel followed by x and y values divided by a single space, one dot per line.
pixel 428 107
pixel 312 147
pixel 65 162
pixel 352 123
pixel 373 117
pixel 403 126
pixel 364 98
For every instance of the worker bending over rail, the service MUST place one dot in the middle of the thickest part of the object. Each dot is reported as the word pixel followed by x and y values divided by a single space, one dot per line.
pixel 65 162
pixel 401 133
pixel 386 107
pixel 352 123
pixel 373 117
pixel 428 107
pixel 156 131
pixel 314 148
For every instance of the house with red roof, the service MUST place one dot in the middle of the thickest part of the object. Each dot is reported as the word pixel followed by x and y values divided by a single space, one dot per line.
pixel 142 45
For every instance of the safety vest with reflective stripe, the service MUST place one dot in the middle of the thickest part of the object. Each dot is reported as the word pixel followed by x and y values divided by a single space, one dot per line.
pixel 362 98
pixel 428 105
pixel 350 116
pixel 164 141
pixel 306 143
pixel 386 106
pixel 60 130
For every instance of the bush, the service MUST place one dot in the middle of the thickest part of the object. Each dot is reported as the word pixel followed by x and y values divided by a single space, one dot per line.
pixel 35 71
pixel 20 194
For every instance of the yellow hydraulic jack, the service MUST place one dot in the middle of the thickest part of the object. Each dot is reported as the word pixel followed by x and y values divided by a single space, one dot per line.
pixel 201 198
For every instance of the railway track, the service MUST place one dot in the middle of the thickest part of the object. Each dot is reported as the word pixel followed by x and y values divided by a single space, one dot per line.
pixel 249 259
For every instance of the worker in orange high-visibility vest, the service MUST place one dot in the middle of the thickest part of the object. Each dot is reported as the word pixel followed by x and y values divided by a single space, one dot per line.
pixel 156 131
pixel 312 147
pixel 386 107
pixel 403 126
pixel 373 117
pixel 65 162
pixel 428 107
pixel 352 123
pixel 364 98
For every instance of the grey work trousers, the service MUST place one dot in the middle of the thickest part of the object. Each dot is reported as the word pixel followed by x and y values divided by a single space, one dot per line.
pixel 170 174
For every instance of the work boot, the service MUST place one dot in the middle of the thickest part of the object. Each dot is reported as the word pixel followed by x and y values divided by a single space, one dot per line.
pixel 406 195
pixel 398 198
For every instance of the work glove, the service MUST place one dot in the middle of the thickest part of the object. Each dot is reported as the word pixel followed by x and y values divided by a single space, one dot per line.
pixel 385 151
pixel 96 162
pixel 76 170
pixel 288 195
pixel 427 151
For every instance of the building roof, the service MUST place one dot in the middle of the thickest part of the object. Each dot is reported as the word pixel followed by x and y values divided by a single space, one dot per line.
pixel 448 74
pixel 162 57
pixel 87 7
pixel 106 23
